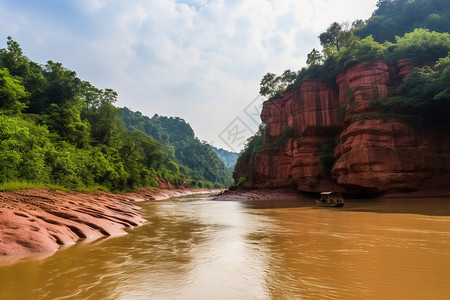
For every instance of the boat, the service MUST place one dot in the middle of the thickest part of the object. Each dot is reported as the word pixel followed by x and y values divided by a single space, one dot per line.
pixel 330 199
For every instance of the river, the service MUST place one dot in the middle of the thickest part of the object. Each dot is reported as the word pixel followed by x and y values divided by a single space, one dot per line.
pixel 195 248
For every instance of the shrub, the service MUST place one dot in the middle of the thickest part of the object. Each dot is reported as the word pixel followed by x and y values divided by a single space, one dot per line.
pixel 241 181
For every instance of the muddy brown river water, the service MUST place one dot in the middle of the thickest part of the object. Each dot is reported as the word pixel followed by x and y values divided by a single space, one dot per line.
pixel 195 248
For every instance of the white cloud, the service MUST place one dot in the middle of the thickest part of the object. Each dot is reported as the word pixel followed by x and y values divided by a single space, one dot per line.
pixel 200 60
pixel 93 5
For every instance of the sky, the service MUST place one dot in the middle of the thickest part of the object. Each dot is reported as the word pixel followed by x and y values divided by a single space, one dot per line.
pixel 201 60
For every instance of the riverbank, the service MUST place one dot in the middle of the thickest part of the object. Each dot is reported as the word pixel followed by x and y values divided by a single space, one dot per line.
pixel 292 194
pixel 260 194
pixel 38 221
pixel 195 248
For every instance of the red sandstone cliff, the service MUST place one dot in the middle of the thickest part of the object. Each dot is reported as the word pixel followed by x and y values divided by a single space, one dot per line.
pixel 371 155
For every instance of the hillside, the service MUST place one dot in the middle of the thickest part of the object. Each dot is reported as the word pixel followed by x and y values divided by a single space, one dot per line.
pixel 194 158
pixel 229 158
pixel 57 129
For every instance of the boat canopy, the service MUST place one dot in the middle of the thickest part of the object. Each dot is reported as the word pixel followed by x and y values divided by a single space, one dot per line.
pixel 327 193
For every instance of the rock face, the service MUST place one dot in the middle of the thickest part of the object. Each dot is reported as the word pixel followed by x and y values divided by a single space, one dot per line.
pixel 35 220
pixel 34 223
pixel 331 137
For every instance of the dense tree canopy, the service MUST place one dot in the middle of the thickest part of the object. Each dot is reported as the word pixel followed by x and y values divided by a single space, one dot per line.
pixel 12 93
pixel 396 17
pixel 425 97
pixel 57 129
pixel 272 85
pixel 194 158
pixel 420 46
pixel 314 57
pixel 336 36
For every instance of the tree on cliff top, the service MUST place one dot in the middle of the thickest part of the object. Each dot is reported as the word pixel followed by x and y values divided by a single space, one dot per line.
pixel 272 85
pixel 336 36
pixel 314 57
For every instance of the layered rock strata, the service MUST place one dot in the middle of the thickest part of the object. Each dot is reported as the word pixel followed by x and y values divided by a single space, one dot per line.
pixel 339 122
pixel 37 221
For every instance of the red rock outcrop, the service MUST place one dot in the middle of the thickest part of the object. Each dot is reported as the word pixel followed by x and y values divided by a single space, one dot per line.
pixel 371 155
pixel 34 220
pixel 37 221
pixel 404 67
pixel 391 156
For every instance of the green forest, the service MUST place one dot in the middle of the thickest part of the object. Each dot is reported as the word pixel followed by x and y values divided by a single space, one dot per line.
pixel 229 158
pixel 57 130
pixel 398 29
pixel 195 159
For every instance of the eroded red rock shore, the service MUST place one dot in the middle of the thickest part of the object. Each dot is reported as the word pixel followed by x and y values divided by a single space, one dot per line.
pixel 261 194
pixel 42 221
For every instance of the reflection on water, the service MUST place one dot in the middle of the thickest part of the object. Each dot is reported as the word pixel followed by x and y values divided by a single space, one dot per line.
pixel 194 248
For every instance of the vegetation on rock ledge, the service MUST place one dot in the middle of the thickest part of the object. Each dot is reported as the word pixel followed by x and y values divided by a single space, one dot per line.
pixel 398 29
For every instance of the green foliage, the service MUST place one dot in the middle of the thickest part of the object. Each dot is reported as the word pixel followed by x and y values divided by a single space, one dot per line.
pixel 29 73
pixel 397 17
pixel 336 36
pixel 241 181
pixel 314 57
pixel 257 142
pixel 272 85
pixel 13 58
pixel 442 79
pixel 23 148
pixel 421 46
pixel 325 72
pixel 229 158
pixel 398 29
pixel 57 130
pixel 195 159
pixel 63 84
pixel 23 185
pixel 365 116
pixel 350 93
pixel 287 133
pixel 12 94
pixel 254 144
pixel 269 84
pixel 29 152
pixel 66 121
pixel 171 166
pixel 424 99
pixel 365 50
